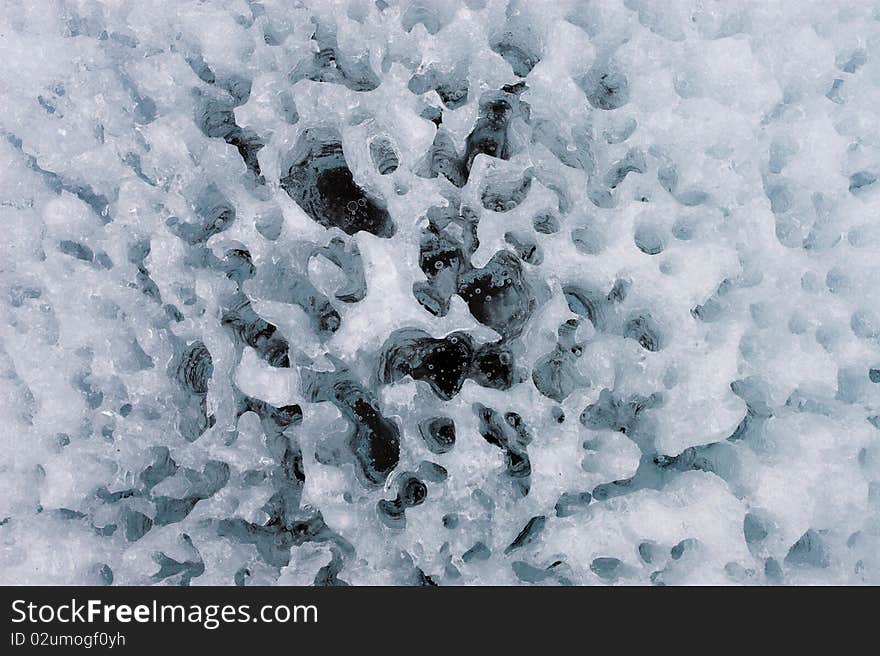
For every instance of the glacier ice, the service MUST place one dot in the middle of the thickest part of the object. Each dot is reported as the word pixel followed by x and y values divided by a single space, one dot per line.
pixel 421 292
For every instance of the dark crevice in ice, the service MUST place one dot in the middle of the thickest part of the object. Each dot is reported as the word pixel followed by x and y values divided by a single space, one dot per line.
pixel 510 434
pixel 319 180
pixel 445 363
pixel 373 441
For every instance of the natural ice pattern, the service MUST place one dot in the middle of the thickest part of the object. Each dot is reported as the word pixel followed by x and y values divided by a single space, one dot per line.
pixel 426 292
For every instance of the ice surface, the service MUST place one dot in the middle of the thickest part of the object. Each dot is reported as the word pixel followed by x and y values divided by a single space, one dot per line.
pixel 435 292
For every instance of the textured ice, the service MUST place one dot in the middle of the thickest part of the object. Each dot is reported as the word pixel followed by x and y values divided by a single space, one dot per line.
pixel 431 292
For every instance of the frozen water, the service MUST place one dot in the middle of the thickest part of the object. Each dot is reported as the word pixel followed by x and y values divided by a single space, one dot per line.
pixel 435 292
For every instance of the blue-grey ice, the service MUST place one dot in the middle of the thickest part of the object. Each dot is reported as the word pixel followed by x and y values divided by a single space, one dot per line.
pixel 453 292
